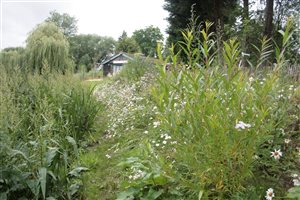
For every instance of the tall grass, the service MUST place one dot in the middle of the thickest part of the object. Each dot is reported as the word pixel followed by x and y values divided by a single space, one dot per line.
pixel 43 117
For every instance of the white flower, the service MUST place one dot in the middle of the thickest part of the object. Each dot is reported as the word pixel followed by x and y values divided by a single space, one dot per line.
pixel 174 142
pixel 295 175
pixel 164 142
pixel 156 124
pixel 157 144
pixel 242 125
pixel 276 154
pixel 270 194
pixel 251 79
pixel 296 182
pixel 167 137
pixel 287 141
pixel 146 132
pixel 108 156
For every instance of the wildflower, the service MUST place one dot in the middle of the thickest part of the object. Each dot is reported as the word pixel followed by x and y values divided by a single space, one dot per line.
pixel 108 156
pixel 174 142
pixel 164 142
pixel 276 154
pixel 156 124
pixel 167 137
pixel 296 182
pixel 280 96
pixel 270 194
pixel 157 144
pixel 242 125
pixel 251 79
pixel 287 141
pixel 146 132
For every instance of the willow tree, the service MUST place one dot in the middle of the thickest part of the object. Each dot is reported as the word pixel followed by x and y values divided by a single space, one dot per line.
pixel 47 46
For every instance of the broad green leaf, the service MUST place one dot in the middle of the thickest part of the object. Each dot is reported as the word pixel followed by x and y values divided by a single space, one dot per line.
pixel 153 194
pixel 200 195
pixel 43 180
pixel 50 154
pixel 76 172
pixel 294 193
pixel 127 195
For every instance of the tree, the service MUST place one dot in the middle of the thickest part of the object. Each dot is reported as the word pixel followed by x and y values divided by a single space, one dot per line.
pixel 90 49
pixel 269 18
pixel 284 9
pixel 46 46
pixel 65 22
pixel 127 44
pixel 216 11
pixel 147 39
pixel 245 29
pixel 13 57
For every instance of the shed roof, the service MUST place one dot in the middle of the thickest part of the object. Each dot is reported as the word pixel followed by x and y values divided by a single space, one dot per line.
pixel 116 56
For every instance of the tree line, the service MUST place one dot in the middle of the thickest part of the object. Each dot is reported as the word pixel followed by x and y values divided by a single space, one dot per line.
pixel 56 44
pixel 246 20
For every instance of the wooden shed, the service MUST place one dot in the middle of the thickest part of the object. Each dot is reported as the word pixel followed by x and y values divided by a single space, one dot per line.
pixel 115 63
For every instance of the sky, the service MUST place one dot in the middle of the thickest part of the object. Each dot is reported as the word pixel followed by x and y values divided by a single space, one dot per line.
pixel 101 17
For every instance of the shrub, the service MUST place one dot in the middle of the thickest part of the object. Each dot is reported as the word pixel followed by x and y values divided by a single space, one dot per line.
pixel 225 120
pixel 136 68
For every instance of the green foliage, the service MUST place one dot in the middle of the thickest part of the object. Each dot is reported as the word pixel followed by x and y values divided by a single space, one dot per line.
pixel 148 178
pixel 219 12
pixel 65 22
pixel 12 58
pixel 42 119
pixel 90 49
pixel 201 107
pixel 47 47
pixel 147 39
pixel 127 44
pixel 136 68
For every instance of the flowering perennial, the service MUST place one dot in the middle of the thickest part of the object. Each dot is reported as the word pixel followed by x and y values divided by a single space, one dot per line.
pixel 242 125
pixel 276 154
pixel 270 194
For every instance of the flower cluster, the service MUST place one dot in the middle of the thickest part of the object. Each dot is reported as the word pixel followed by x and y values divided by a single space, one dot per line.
pixel 136 174
pixel 242 125
pixel 296 179
pixel 127 105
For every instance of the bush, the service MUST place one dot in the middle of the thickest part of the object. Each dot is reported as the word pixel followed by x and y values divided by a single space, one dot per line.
pixel 136 68
pixel 226 121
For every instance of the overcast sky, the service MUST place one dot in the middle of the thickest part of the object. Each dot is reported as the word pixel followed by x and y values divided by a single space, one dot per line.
pixel 102 17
